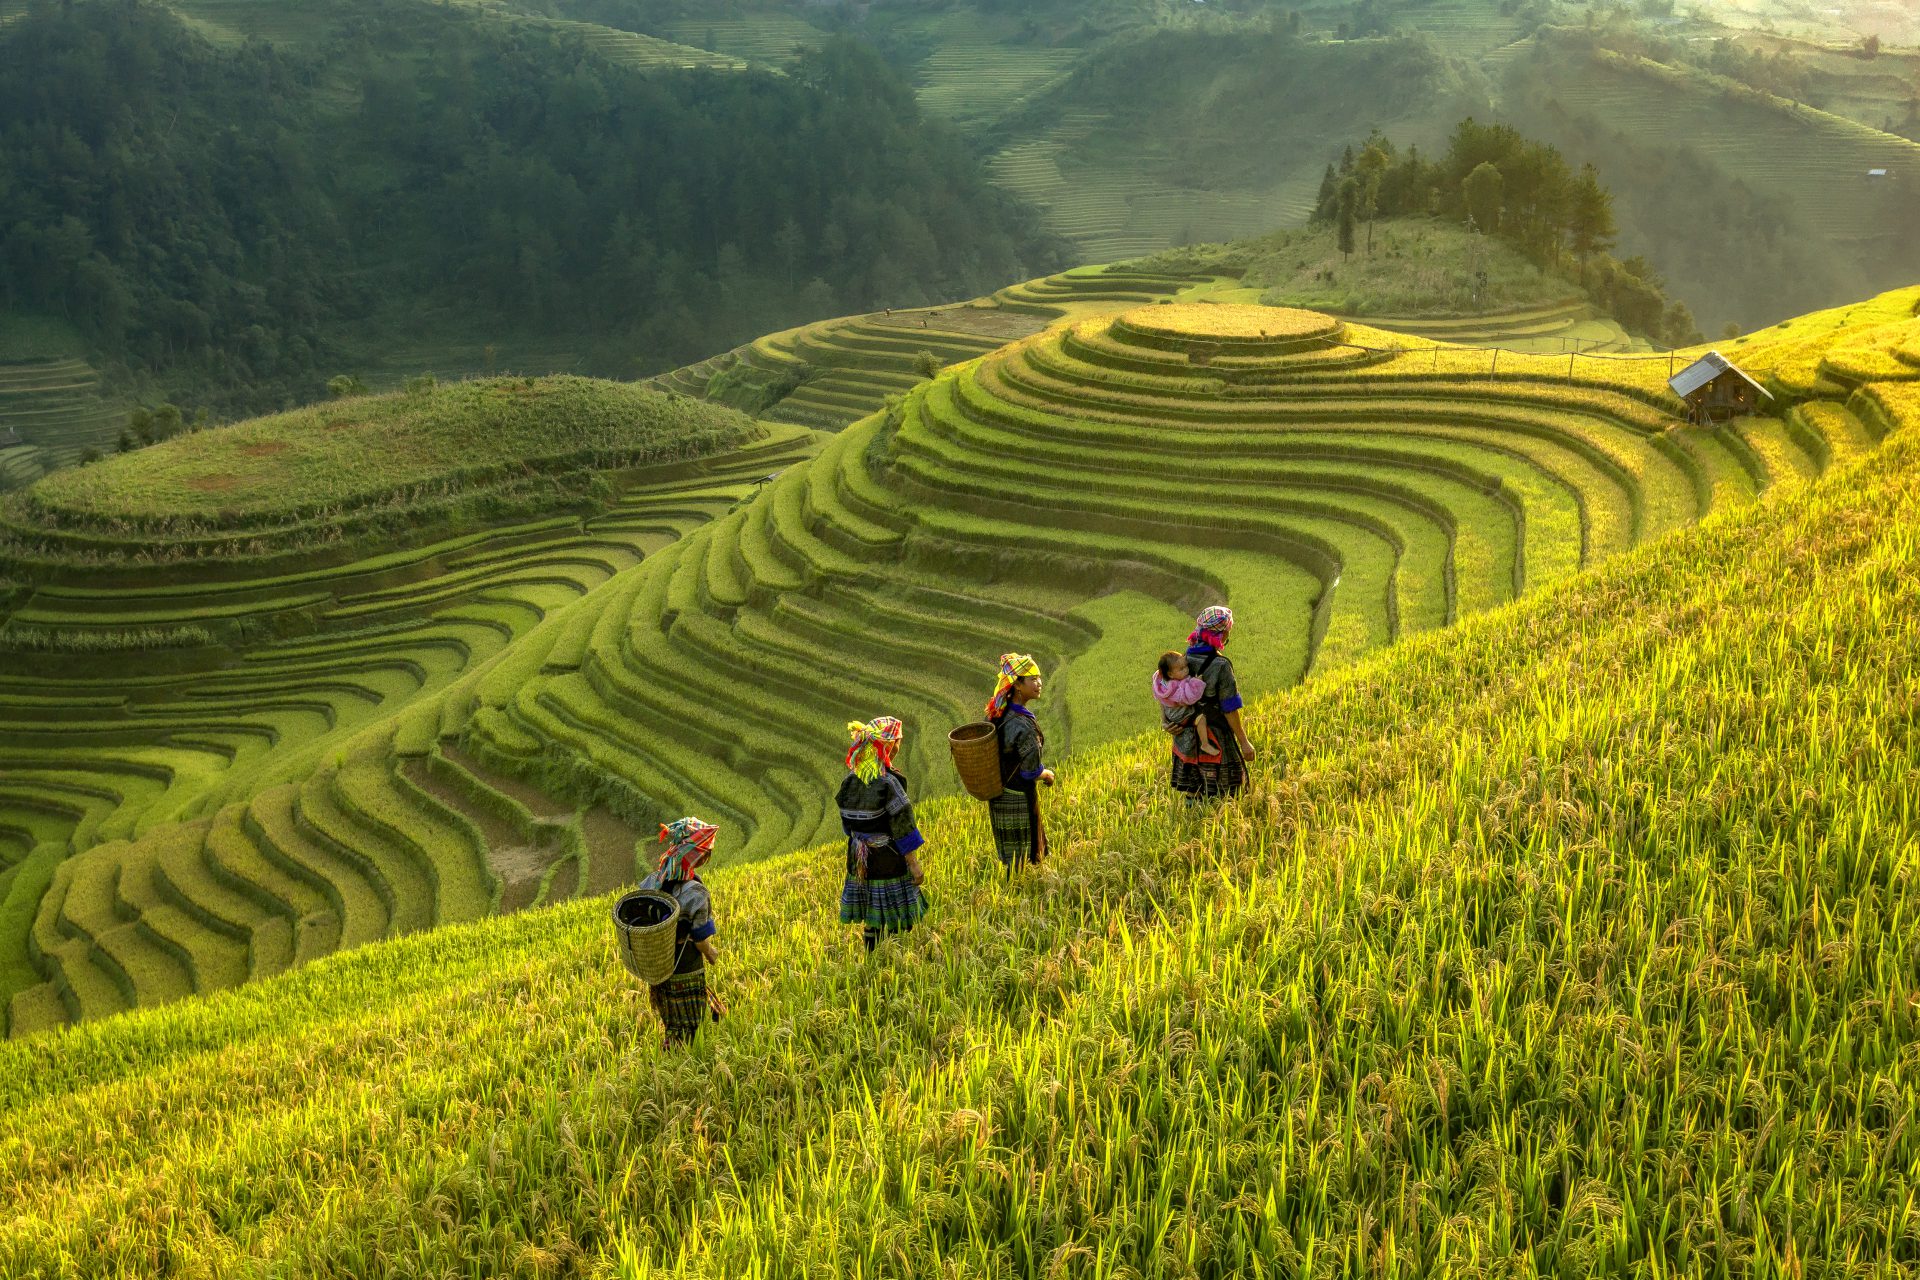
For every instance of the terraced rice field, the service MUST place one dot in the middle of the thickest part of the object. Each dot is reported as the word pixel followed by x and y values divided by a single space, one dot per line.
pixel 1114 212
pixel 646 53
pixel 225 774
pixel 767 38
pixel 1355 495
pixel 1465 28
pixel 244 726
pixel 1563 328
pixel 972 78
pixel 840 371
pixel 1578 938
pixel 59 407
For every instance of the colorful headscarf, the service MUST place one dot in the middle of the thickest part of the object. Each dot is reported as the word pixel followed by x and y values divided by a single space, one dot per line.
pixel 689 842
pixel 873 746
pixel 1212 626
pixel 1013 666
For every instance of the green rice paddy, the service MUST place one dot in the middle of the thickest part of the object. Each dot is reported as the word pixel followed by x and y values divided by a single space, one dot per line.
pixel 243 730
pixel 1575 937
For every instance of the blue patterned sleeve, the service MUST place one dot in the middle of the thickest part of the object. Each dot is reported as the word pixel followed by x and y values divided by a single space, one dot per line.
pixel 1028 747
pixel 1222 685
pixel 698 904
pixel 901 828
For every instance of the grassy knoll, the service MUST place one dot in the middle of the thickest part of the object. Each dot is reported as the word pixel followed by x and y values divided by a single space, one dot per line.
pixel 1575 937
pixel 315 467
pixel 312 752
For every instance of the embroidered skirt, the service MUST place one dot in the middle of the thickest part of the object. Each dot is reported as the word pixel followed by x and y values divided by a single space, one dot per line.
pixel 1017 836
pixel 890 906
pixel 681 1002
pixel 1223 777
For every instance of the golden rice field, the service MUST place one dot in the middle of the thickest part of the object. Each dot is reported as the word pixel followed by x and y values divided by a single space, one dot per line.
pixel 1575 939
pixel 463 685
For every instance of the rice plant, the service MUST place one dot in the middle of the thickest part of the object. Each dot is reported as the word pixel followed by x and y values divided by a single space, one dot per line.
pixel 1574 939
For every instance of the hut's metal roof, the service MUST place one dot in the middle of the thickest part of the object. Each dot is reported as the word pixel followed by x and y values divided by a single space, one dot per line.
pixel 1705 370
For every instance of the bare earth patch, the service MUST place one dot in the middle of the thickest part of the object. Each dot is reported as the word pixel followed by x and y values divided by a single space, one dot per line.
pixel 265 449
pixel 218 483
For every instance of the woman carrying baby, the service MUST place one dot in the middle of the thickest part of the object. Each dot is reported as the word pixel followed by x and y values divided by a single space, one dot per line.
pixel 1179 694
pixel 1199 777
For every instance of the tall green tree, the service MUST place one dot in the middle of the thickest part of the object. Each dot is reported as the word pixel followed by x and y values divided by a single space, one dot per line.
pixel 1591 218
pixel 1484 192
pixel 1349 204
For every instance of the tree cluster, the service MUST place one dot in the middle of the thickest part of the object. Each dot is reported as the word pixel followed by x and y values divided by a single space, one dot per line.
pixel 239 219
pixel 1503 184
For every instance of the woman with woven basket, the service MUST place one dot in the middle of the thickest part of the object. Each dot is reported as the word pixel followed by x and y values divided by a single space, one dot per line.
pixel 682 1001
pixel 882 893
pixel 1018 834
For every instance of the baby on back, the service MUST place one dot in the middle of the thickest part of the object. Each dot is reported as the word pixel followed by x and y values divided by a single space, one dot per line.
pixel 1179 695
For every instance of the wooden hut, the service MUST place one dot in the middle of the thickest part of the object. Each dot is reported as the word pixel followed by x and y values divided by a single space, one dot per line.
pixel 1714 390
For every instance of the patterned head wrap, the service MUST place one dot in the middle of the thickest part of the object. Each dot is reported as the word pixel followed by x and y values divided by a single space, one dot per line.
pixel 1212 626
pixel 1013 666
pixel 873 746
pixel 689 843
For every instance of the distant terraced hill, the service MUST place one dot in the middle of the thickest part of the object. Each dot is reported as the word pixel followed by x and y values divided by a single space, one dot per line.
pixel 52 410
pixel 1814 165
pixel 212 775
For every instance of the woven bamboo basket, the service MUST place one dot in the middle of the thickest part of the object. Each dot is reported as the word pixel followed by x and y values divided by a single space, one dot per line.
pixel 976 755
pixel 644 923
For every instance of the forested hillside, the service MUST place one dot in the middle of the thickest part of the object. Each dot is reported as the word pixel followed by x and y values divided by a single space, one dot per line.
pixel 240 221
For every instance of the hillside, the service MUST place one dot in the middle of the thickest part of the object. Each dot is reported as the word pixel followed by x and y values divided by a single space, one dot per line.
pixel 1148 126
pixel 1524 933
pixel 1174 136
pixel 214 775
pixel 489 195
pixel 1747 201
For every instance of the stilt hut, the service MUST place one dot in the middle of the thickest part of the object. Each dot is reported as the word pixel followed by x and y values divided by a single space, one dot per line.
pixel 1714 390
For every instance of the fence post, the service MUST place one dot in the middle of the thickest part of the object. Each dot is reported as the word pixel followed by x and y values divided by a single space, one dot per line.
pixel 1570 359
pixel 1493 375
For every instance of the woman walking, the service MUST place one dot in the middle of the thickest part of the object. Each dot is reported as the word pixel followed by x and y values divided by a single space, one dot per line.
pixel 882 893
pixel 1225 773
pixel 682 1000
pixel 1018 833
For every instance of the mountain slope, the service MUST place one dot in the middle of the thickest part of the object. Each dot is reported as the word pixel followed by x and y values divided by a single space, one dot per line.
pixel 1511 946
pixel 296 740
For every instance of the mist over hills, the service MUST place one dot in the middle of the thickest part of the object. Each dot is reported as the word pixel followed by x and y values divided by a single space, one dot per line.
pixel 246 220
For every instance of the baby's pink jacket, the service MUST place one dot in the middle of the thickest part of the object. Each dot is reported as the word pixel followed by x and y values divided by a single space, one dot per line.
pixel 1178 693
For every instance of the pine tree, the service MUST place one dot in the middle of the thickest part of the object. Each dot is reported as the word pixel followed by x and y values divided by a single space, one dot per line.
pixel 1323 206
pixel 1349 200
pixel 1590 218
